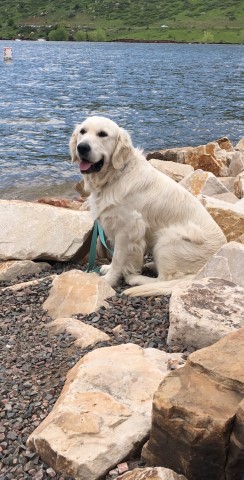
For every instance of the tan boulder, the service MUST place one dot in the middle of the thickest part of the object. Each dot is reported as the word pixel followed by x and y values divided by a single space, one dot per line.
pixel 176 171
pixel 225 144
pixel 239 206
pixel 75 292
pixel 12 269
pixel 193 413
pixel 228 182
pixel 205 183
pixel 227 263
pixel 228 197
pixel 104 411
pixel 235 462
pixel 170 154
pixel 210 158
pixel 204 311
pixel 240 144
pixel 39 231
pixel 152 473
pixel 228 216
pixel 239 185
pixel 236 165
pixel 85 335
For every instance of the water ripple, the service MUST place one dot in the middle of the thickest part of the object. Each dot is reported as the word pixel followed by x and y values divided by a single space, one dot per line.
pixel 165 95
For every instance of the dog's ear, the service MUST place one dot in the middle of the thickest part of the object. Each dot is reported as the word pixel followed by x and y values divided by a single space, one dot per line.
pixel 72 145
pixel 122 150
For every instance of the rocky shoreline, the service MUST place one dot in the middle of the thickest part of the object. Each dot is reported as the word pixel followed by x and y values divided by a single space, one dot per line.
pixel 45 352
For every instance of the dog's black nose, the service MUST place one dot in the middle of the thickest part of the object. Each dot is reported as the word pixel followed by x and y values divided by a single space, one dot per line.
pixel 83 148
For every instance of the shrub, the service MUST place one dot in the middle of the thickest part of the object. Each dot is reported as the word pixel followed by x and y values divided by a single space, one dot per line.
pixel 207 37
pixel 98 35
pixel 80 36
pixel 11 22
pixel 60 34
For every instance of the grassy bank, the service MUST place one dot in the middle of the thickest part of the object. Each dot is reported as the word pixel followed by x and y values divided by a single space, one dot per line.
pixel 211 21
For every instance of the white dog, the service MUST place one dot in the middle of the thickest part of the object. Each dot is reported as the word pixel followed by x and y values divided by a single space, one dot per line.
pixel 141 210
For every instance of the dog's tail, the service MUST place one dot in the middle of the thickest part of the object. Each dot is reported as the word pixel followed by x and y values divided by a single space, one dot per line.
pixel 157 288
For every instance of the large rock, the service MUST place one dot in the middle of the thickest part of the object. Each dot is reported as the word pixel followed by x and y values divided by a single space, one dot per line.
pixel 225 143
pixel 176 171
pixel 210 158
pixel 75 292
pixel 150 473
pixel 13 268
pixel 227 263
pixel 228 182
pixel 204 311
pixel 235 463
pixel 104 411
pixel 236 165
pixel 170 154
pixel 39 231
pixel 228 216
pixel 239 185
pixel 205 183
pixel 193 412
pixel 239 206
pixel 240 144
pixel 228 197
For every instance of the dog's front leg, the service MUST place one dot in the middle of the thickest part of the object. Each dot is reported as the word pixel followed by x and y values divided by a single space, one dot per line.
pixel 129 249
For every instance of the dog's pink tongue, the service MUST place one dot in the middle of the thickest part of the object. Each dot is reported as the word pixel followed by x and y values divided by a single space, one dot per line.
pixel 84 166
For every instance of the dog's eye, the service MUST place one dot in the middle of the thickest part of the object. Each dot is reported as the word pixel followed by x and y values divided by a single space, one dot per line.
pixel 102 134
pixel 82 131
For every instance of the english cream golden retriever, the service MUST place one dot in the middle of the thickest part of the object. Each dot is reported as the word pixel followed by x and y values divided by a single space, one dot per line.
pixel 141 210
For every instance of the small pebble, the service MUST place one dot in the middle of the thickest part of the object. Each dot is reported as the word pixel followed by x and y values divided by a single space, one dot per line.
pixel 51 472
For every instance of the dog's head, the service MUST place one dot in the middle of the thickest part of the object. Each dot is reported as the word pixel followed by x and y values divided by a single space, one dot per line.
pixel 98 144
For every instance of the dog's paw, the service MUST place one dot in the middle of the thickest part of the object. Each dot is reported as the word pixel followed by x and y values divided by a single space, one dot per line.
pixel 104 269
pixel 111 279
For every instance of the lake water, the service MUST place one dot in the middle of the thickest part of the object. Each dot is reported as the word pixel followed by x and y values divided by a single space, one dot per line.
pixel 165 95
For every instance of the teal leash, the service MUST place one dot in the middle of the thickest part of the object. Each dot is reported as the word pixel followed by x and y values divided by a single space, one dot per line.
pixel 97 232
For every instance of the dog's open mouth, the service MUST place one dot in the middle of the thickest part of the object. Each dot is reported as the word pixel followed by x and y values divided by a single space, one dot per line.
pixel 88 167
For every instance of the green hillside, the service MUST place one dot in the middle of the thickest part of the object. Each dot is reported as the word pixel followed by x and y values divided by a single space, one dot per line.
pixel 209 21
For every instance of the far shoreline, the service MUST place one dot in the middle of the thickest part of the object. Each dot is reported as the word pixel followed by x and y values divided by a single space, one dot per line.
pixel 120 40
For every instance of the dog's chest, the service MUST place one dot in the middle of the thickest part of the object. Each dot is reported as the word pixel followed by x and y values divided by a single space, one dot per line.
pixel 103 209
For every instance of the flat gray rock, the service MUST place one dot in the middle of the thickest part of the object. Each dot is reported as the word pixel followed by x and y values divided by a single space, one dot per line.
pixel 13 268
pixel 205 311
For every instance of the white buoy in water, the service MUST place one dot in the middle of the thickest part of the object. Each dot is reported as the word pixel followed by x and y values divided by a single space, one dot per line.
pixel 7 53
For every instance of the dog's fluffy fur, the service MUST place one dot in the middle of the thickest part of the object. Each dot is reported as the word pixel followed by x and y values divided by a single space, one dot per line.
pixel 141 210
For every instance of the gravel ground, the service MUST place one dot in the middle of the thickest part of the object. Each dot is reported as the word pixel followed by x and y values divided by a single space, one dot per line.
pixel 34 365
